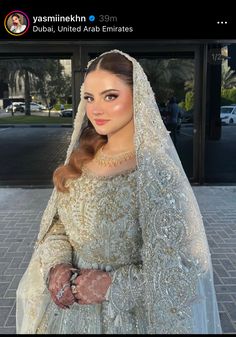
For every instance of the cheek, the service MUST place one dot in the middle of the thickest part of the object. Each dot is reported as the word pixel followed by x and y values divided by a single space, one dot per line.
pixel 88 109
pixel 118 109
pixel 122 108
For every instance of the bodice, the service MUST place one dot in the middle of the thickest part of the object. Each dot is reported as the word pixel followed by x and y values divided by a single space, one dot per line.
pixel 100 215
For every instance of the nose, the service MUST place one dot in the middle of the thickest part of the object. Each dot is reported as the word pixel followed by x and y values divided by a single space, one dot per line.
pixel 97 109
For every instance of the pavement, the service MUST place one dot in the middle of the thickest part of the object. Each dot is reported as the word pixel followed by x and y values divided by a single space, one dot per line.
pixel 20 214
pixel 31 154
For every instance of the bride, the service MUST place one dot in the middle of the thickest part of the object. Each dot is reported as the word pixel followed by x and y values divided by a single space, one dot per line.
pixel 122 246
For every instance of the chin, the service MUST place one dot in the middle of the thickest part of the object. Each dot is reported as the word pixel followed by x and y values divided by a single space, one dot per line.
pixel 100 131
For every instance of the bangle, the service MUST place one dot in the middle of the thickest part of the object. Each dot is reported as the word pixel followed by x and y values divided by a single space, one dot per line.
pixel 74 275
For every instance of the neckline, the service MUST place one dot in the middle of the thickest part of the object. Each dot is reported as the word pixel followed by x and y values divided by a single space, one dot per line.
pixel 109 160
pixel 86 171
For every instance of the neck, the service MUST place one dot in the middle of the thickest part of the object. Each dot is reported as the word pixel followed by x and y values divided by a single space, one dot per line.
pixel 122 139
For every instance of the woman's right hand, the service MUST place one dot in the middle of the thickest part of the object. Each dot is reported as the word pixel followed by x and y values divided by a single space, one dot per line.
pixel 59 285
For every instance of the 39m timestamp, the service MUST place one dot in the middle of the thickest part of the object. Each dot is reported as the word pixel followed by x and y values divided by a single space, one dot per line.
pixel 107 18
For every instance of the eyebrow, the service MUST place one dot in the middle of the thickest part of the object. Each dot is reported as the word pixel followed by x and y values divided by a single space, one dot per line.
pixel 103 92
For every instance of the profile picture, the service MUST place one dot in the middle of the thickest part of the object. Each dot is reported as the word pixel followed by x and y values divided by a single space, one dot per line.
pixel 16 23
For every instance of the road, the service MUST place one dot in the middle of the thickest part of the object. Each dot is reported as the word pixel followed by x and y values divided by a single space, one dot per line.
pixel 53 113
pixel 31 154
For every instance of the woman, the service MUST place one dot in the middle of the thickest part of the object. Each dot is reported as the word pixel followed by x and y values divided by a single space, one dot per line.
pixel 122 247
pixel 17 26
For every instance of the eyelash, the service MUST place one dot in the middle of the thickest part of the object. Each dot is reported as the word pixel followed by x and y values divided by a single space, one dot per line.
pixel 87 98
pixel 114 96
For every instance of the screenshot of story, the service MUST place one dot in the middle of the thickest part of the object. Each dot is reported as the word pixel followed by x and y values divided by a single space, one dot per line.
pixel 28 20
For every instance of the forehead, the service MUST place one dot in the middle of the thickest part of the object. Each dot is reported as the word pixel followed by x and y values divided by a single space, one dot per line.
pixel 101 79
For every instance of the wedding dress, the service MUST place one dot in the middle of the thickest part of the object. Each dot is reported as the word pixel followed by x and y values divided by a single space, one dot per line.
pixel 143 226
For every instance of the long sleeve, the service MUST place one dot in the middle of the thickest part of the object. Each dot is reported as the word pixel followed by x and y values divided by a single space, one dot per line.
pixel 55 247
pixel 126 290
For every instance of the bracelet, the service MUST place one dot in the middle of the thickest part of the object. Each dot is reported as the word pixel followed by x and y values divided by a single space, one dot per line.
pixel 60 293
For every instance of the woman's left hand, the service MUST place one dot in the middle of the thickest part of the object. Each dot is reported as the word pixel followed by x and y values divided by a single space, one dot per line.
pixel 91 286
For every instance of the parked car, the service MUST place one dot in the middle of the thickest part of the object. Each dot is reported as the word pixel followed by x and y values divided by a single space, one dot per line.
pixel 228 114
pixel 15 107
pixel 20 107
pixel 43 107
pixel 34 107
pixel 66 113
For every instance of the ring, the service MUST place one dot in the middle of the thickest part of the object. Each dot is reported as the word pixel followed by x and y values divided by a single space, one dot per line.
pixel 73 289
pixel 60 293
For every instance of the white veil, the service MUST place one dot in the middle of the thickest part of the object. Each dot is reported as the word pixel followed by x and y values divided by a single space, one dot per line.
pixel 179 290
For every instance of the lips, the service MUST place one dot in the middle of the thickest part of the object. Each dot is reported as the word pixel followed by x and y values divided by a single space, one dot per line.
pixel 101 121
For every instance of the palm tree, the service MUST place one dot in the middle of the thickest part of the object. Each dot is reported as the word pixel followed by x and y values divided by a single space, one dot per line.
pixel 167 76
pixel 228 77
pixel 31 71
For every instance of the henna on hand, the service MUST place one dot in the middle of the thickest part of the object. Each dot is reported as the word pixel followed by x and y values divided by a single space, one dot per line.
pixel 59 285
pixel 91 286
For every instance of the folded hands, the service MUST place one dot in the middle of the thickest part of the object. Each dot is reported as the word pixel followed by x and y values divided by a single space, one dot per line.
pixel 89 287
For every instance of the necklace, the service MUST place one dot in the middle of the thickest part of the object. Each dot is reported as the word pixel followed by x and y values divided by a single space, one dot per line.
pixel 112 160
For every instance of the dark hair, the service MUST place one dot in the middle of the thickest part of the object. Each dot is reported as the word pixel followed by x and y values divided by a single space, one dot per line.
pixel 15 14
pixel 116 64
pixel 90 141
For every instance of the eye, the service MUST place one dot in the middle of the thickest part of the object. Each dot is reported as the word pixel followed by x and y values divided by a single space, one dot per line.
pixel 110 97
pixel 89 99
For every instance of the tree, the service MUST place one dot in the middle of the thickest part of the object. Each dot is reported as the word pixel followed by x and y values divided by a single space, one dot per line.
pixel 25 69
pixel 34 73
pixel 228 96
pixel 168 76
pixel 54 85
pixel 48 86
pixel 228 76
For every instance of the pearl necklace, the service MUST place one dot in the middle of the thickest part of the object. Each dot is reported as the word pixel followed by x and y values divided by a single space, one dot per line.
pixel 112 160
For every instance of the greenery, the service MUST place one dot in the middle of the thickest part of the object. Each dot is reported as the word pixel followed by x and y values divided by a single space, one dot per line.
pixel 228 77
pixel 168 76
pixel 35 120
pixel 189 100
pixel 58 106
pixel 228 96
pixel 228 88
pixel 188 103
pixel 228 85
pixel 44 78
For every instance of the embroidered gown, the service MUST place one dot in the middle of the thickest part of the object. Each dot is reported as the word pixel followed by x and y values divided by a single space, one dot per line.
pixel 96 226
pixel 143 226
